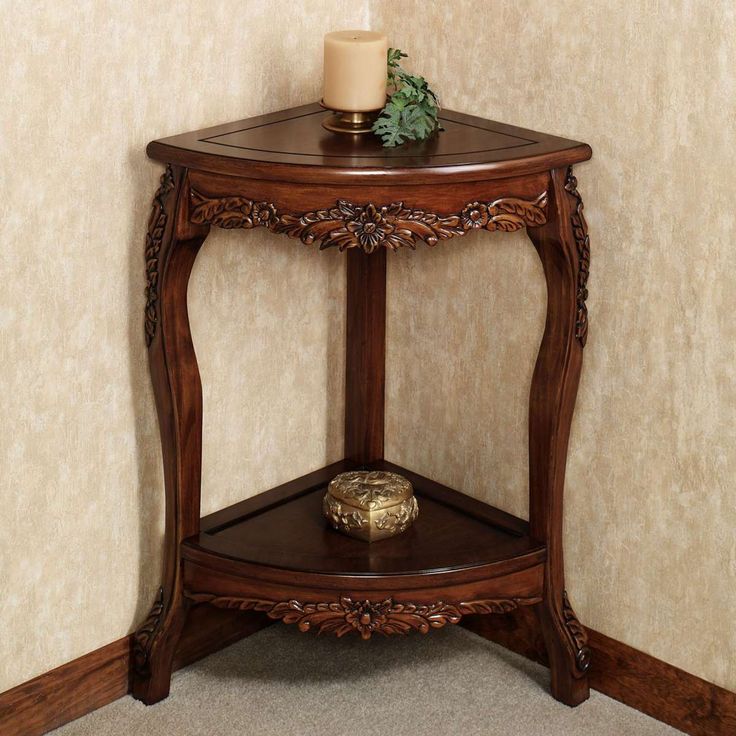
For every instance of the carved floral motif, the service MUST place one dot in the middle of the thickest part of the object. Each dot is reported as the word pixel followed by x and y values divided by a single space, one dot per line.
pixel 154 238
pixel 367 226
pixel 577 634
pixel 143 637
pixel 364 617
pixel 582 243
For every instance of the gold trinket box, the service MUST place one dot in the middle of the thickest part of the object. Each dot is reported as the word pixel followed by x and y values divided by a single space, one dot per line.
pixel 370 505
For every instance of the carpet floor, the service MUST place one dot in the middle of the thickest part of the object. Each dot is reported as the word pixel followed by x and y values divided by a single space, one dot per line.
pixel 279 682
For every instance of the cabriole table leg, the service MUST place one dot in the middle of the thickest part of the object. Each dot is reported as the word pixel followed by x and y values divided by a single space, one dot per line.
pixel 562 244
pixel 172 244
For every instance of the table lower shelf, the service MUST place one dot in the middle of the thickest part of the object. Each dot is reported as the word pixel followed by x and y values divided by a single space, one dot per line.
pixel 276 553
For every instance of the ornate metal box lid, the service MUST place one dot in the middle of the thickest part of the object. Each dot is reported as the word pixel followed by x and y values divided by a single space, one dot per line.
pixel 370 491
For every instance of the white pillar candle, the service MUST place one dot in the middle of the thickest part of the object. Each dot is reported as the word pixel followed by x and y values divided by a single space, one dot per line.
pixel 355 71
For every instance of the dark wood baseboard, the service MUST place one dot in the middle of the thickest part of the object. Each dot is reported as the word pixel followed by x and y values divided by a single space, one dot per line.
pixel 649 685
pixel 66 693
pixel 660 690
pixel 100 677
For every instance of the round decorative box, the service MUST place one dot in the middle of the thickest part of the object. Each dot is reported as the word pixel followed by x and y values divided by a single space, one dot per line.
pixel 370 505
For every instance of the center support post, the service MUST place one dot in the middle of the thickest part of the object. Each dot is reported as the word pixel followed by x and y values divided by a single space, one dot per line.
pixel 365 355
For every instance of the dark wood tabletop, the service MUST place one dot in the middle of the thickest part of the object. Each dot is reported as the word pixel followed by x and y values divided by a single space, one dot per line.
pixel 292 145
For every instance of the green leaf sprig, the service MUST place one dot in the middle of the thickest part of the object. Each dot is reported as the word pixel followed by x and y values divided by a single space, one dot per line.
pixel 411 114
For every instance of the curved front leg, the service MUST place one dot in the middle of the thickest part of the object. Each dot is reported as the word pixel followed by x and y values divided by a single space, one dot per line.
pixel 562 244
pixel 172 244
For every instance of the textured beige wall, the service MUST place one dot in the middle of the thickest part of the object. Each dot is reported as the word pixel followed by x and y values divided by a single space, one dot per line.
pixel 652 452
pixel 85 86
pixel 651 518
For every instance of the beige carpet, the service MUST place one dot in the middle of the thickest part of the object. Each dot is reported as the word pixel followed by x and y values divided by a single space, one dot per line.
pixel 283 683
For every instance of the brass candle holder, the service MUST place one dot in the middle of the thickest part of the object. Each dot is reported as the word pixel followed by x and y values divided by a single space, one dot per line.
pixel 350 122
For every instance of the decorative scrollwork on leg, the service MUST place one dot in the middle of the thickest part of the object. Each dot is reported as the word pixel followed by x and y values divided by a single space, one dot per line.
pixel 154 238
pixel 578 635
pixel 582 243
pixel 144 636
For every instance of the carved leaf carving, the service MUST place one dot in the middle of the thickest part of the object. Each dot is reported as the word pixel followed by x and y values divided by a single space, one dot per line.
pixel 513 214
pixel 364 617
pixel 368 226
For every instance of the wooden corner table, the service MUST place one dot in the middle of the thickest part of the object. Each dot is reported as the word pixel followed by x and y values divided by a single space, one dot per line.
pixel 274 552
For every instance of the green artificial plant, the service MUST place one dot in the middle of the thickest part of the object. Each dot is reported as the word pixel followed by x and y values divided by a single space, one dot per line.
pixel 411 113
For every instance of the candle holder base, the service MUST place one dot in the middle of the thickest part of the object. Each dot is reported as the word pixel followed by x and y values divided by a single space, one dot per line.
pixel 356 123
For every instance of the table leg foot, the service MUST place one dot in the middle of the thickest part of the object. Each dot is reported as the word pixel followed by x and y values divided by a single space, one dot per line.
pixel 567 649
pixel 154 645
